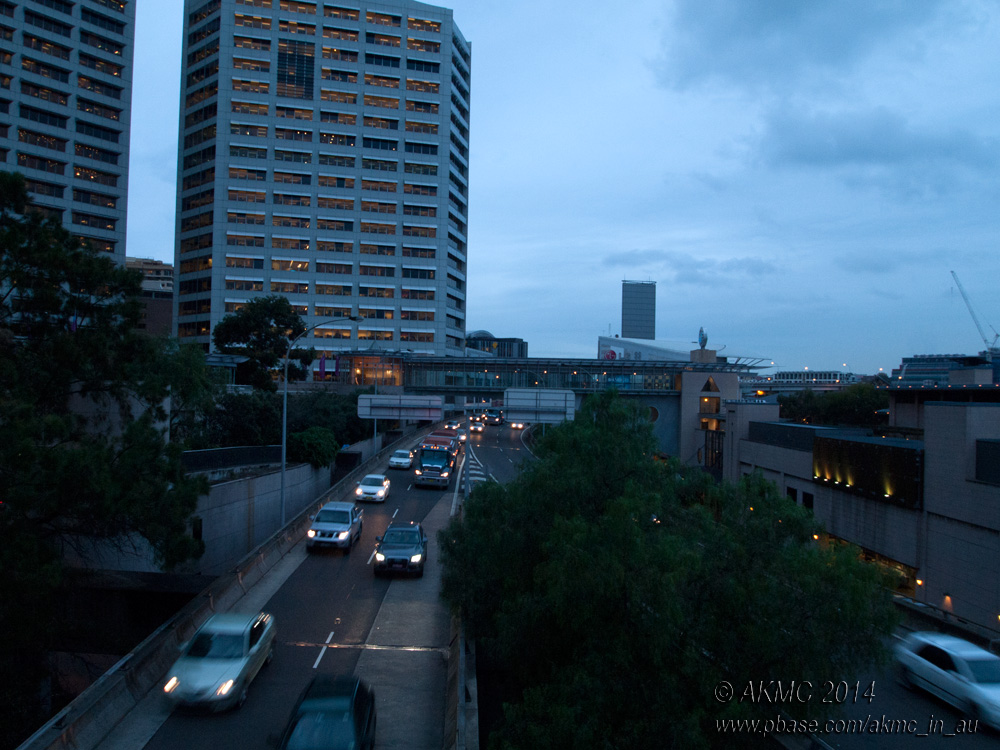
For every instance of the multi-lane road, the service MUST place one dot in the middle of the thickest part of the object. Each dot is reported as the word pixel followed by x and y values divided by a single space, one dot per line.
pixel 334 616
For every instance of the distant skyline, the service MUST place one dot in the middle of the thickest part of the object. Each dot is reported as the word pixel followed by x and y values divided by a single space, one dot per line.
pixel 798 178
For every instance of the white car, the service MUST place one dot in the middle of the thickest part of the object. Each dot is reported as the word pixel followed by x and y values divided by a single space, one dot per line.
pixel 476 427
pixel 401 459
pixel 374 487
pixel 336 525
pixel 218 664
pixel 956 671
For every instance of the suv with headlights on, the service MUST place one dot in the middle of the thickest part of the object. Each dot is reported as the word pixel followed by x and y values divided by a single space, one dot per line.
pixel 336 525
pixel 401 549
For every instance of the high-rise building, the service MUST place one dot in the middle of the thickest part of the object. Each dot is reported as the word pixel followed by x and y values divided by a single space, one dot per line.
pixel 639 309
pixel 65 110
pixel 324 157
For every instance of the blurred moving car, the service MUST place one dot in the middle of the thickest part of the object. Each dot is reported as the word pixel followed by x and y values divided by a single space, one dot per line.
pixel 333 713
pixel 373 487
pixel 476 427
pixel 452 424
pixel 336 525
pixel 402 548
pixel 517 425
pixel 956 671
pixel 462 434
pixel 218 664
pixel 401 459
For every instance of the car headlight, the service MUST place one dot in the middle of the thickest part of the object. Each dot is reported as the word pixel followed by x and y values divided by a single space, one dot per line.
pixel 417 472
pixel 343 535
pixel 224 688
pixel 380 557
pixel 311 533
pixel 380 493
pixel 444 474
pixel 358 491
pixel 171 685
pixel 416 558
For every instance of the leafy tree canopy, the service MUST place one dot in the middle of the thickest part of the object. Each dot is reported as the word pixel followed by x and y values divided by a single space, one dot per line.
pixel 261 331
pixel 620 590
pixel 83 422
pixel 857 405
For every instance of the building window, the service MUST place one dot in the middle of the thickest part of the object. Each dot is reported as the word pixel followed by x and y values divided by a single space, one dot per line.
pixel 296 69
pixel 384 81
pixel 94 175
pixel 249 152
pixel 425 294
pixel 244 285
pixel 335 182
pixel 384 102
pixel 338 290
pixel 293 113
pixel 244 261
pixel 349 14
pixel 422 45
pixel 376 291
pixel 419 24
pixel 248 42
pixel 253 87
pixel 329 246
pixel 378 186
pixel 342 204
pixel 297 222
pixel 247 196
pixel 288 134
pixel 369 227
pixel 245 240
pixel 340 268
pixel 241 173
pixel 290 199
pixel 382 40
pixel 239 217
pixel 382 19
pixel 344 76
pixel 287 264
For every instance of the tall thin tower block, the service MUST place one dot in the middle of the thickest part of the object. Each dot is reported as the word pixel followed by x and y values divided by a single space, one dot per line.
pixel 639 309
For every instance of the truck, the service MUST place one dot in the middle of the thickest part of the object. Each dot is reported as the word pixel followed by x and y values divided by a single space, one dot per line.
pixel 494 415
pixel 435 460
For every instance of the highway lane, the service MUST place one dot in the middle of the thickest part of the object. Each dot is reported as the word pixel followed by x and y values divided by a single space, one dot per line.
pixel 497 453
pixel 324 611
pixel 933 722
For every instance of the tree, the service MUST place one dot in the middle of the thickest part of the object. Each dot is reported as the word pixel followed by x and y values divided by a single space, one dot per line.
pixel 620 590
pixel 858 405
pixel 315 445
pixel 83 449
pixel 260 331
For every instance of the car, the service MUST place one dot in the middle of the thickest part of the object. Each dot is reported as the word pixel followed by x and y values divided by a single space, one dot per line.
pixel 373 487
pixel 401 459
pixel 476 427
pixel 402 548
pixel 333 713
pixel 336 525
pixel 956 671
pixel 453 424
pixel 517 425
pixel 218 664
pixel 462 434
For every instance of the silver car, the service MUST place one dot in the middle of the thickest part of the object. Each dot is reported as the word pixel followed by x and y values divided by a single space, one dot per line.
pixel 336 525
pixel 956 671
pixel 217 666
pixel 401 459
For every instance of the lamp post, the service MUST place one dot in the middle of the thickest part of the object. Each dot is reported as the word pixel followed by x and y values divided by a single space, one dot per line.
pixel 284 403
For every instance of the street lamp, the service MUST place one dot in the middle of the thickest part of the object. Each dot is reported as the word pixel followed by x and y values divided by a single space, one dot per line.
pixel 284 403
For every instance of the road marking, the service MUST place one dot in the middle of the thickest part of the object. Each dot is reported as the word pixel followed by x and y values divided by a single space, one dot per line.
pixel 322 649
pixel 367 647
pixel 395 512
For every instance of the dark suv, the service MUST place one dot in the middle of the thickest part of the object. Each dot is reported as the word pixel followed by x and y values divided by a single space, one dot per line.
pixel 334 713
pixel 402 548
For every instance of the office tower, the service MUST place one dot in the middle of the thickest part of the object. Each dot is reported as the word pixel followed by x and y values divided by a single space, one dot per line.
pixel 324 157
pixel 639 309
pixel 65 100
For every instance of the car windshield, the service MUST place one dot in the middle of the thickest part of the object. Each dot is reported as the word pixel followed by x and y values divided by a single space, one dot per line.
pixel 371 482
pixel 207 645
pixel 401 536
pixel 402 454
pixel 322 730
pixel 985 670
pixel 333 516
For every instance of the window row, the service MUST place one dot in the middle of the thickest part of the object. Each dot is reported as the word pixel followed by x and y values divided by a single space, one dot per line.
pixel 237 284
pixel 250 130
pixel 300 243
pixel 306 157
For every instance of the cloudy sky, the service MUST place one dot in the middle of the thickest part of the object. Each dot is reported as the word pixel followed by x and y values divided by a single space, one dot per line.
pixel 800 178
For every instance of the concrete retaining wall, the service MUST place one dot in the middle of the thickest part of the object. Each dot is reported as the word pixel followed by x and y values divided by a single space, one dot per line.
pixel 94 713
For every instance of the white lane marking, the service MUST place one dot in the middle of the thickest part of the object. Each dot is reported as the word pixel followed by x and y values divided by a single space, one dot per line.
pixel 370 558
pixel 322 650
pixel 395 512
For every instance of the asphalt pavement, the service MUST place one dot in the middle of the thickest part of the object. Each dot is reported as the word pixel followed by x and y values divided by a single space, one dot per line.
pixel 404 657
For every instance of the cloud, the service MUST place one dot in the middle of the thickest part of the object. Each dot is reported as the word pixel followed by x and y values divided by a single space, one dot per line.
pixel 767 43
pixel 685 268
pixel 876 147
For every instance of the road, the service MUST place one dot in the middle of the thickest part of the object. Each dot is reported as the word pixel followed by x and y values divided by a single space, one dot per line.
pixel 933 722
pixel 334 616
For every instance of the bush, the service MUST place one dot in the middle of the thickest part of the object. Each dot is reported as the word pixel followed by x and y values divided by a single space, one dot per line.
pixel 316 446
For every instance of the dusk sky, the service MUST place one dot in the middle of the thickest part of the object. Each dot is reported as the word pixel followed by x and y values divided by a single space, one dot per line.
pixel 799 178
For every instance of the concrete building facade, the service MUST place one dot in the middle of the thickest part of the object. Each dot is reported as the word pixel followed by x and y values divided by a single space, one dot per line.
pixel 65 110
pixel 324 157
pixel 922 498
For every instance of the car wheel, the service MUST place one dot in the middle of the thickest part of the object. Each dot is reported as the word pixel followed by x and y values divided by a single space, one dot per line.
pixel 270 656
pixel 243 697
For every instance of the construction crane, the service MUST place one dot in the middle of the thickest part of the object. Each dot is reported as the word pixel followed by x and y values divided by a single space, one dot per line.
pixel 991 346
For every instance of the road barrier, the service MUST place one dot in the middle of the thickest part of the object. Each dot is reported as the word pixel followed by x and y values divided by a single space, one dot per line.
pixel 91 716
